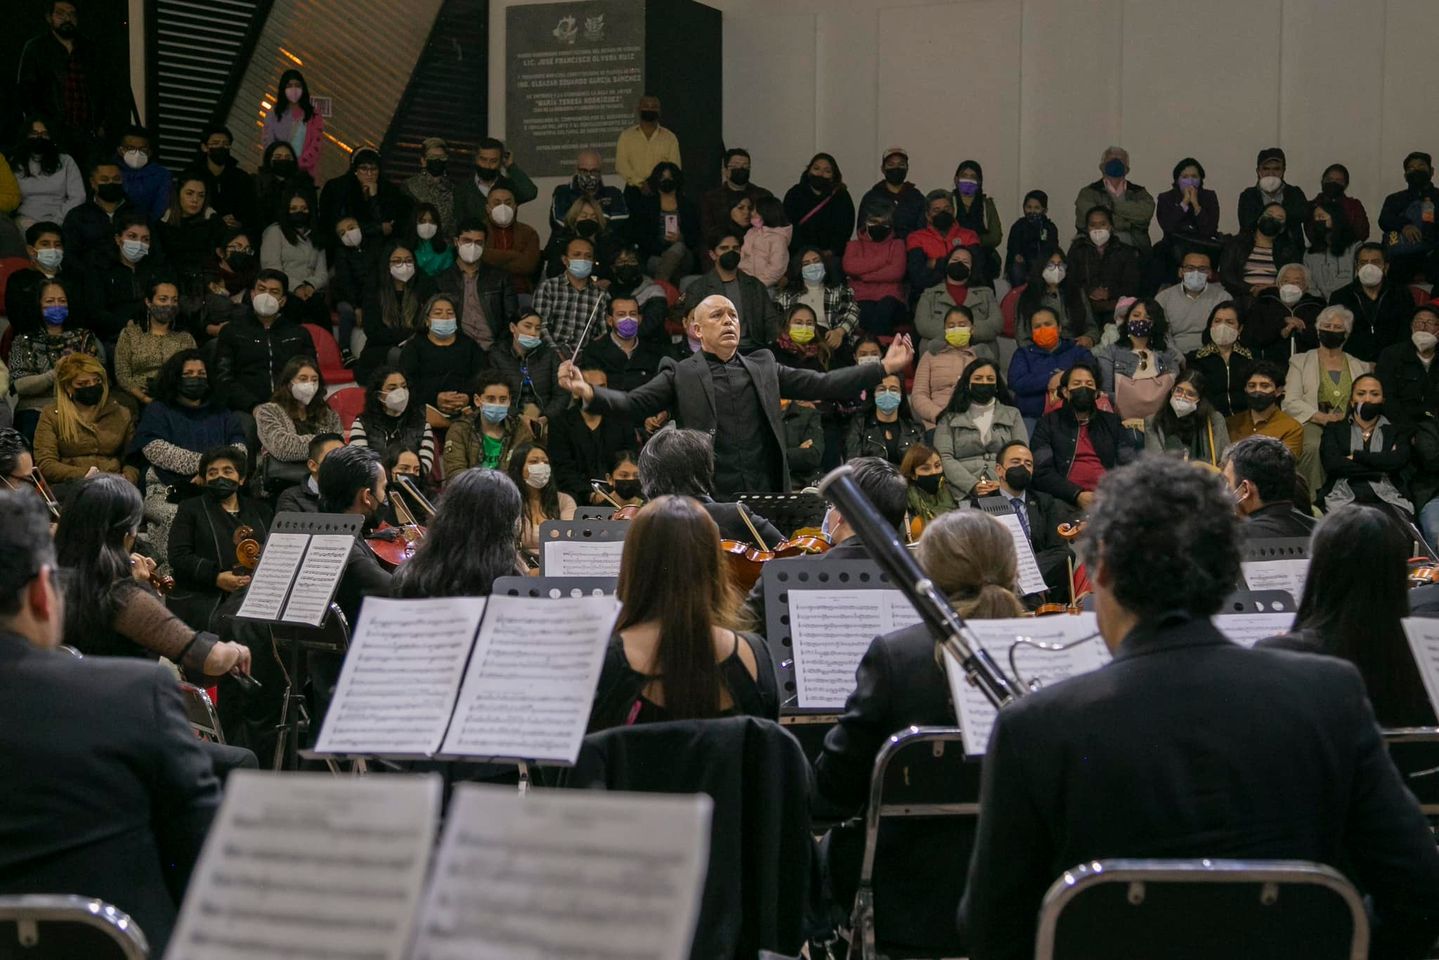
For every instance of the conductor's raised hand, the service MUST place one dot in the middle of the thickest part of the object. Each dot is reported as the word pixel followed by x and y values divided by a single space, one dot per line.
pixel 899 354
pixel 574 383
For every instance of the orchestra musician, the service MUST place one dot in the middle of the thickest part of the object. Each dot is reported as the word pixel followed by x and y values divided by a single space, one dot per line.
pixel 469 542
pixel 681 463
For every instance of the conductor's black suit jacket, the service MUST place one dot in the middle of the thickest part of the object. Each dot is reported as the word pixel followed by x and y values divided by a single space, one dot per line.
pixel 1187 745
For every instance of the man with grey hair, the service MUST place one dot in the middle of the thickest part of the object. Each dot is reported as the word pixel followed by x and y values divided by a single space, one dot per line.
pixel 588 181
pixel 1316 388
pixel 1130 205
pixel 681 463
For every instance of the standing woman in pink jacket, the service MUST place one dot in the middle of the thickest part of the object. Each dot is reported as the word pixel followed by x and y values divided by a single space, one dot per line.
pixel 874 262
pixel 293 120
pixel 765 254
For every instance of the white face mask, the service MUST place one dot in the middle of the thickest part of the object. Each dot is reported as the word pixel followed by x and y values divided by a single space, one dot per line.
pixel 1371 274
pixel 396 400
pixel 503 215
pixel 304 391
pixel 537 475
pixel 1099 237
pixel 135 159
pixel 1223 334
pixel 1182 406
pixel 1424 341
pixel 1270 184
pixel 1054 273
pixel 1290 293
pixel 351 237
pixel 869 359
pixel 1195 281
pixel 265 304
pixel 426 230
pixel 471 252
pixel 402 271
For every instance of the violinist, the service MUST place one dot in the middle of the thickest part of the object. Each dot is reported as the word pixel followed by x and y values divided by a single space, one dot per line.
pixel 469 542
pixel 681 463
pixel 17 464
pixel 402 462
pixel 624 479
pixel 1262 473
pixel 1039 514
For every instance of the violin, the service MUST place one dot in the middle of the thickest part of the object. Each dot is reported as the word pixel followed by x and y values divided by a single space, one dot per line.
pixel 806 542
pixel 392 546
pixel 623 511
pixel 1068 532
pixel 247 550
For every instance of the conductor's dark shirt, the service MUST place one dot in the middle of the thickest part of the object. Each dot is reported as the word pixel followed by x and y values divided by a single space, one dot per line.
pixel 744 456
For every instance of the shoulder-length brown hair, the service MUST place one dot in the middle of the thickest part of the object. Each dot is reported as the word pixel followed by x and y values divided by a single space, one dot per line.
pixel 286 399
pixel 673 574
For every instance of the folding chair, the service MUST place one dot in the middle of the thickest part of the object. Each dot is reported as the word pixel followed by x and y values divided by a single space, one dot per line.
pixel 200 711
pixel 920 774
pixel 1201 909
pixel 62 927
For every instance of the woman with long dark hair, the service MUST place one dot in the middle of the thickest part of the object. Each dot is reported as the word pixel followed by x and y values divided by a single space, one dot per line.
pixel 110 608
pixel 529 469
pixel 295 412
pixel 293 120
pixel 50 181
pixel 470 541
pixel 279 172
pixel 393 304
pixel 393 419
pixel 291 246
pixel 1049 285
pixel 821 208
pixel 979 422
pixel 674 655
pixel 1187 425
pixel 1356 596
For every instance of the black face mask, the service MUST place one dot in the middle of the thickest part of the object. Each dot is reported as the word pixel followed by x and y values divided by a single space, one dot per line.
pixel 1270 227
pixel 240 261
pixel 739 177
pixel 1369 411
pixel 1017 478
pixel 300 219
pixel 1333 188
pixel 1319 232
pixel 896 175
pixel 649 116
pixel 1418 179
pixel 627 276
pixel 88 396
pixel 194 388
pixel 627 489
pixel 958 271
pixel 1082 399
pixel 668 186
pixel 877 232
pixel 111 192
pixel 1259 402
pixel 929 484
pixel 821 185
pixel 221 488
pixel 436 167
pixel 943 221
pixel 219 156
pixel 587 228
pixel 68 30
pixel 1333 339
pixel 488 174
pixel 729 260
pixel 983 392
pixel 284 168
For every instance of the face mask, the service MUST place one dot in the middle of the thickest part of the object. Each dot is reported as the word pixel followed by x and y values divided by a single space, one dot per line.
pixel 1082 399
pixel 812 273
pixel 49 258
pixel 194 388
pixel 528 342
pixel 487 174
pixel 494 412
pixel 1046 338
pixel 265 304
pixel 135 159
pixel 134 250
pixel 56 316
pixel 887 401
pixel 1333 188
pixel 626 489
pixel 1270 227
pixel 402 271
pixel 221 489
pixel 627 327
pixel 396 400
pixel 427 231
pixel 444 328
pixel 587 228
pixel 1054 273
pixel 627 276
pixel 1333 339
pixel 942 221
pixel 1418 179
pixel 1017 478
pixel 821 184
pixel 471 252
pixel 1114 168
pixel 967 188
pixel 1182 406
pixel 1259 402
pixel 284 169
pixel 1188 183
pixel 929 484
pixel 219 156
pixel 1270 184
pixel 435 167
pixel 1140 328
pixel 1371 274
pixel 164 315
pixel 1222 334
pixel 587 182
pixel 957 272
pixel 649 116
pixel 88 396
pixel 1369 411
pixel 983 393
pixel 1035 218
pixel 1195 280
pixel 870 358
pixel 896 175
pixel 351 237
pixel 1423 340
pixel 67 30
pixel 293 94
pixel 1318 232
pixel 240 261
pixel 304 392
pixel 877 232
pixel 110 192
pixel 801 335
pixel 1290 293
pixel 502 215
pixel 958 336
pixel 1099 237
pixel 300 219
pixel 729 260
pixel 739 177
pixel 668 186
pixel 580 269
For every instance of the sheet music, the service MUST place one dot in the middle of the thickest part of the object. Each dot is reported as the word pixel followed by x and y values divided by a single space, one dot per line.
pixel 402 671
pixel 831 630
pixel 582 558
pixel 270 584
pixel 1423 634
pixel 1286 575
pixel 318 577
pixel 310 865
pixel 532 678
pixel 1030 579
pixel 1247 629
pixel 976 714
pixel 582 875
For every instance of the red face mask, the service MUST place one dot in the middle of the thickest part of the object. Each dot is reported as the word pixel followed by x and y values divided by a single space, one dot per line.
pixel 1046 338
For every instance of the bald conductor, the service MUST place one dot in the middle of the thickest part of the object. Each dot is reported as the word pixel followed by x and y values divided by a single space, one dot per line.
pixel 734 398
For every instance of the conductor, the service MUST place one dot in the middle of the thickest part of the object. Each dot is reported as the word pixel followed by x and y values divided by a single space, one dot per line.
pixel 734 398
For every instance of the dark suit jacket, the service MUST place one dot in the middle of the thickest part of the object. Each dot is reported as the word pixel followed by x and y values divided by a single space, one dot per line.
pixel 1050 551
pixel 104 791
pixel 1190 746
pixel 1277 521
pixel 759 315
pixel 1057 434
pixel 687 390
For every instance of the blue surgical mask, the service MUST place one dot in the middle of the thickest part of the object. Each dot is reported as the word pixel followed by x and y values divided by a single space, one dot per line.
pixel 887 400
pixel 49 258
pixel 134 250
pixel 580 269
pixel 529 343
pixel 56 315
pixel 495 412
pixel 812 272
pixel 443 328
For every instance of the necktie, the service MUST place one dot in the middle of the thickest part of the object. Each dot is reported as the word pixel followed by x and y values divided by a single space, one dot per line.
pixel 1023 515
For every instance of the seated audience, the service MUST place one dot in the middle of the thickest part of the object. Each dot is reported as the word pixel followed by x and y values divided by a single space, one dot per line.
pixel 365 193
pixel 885 428
pixel 821 208
pixel 1319 384
pixel 1188 212
pixel 147 184
pixel 1130 207
pixel 50 182
pixel 292 247
pixel 734 179
pixel 1187 426
pixel 940 367
pixel 801 342
pixel 895 195
pixel 392 421
pixel 529 468
pixel 295 123
pixel 1333 185
pixel 1270 190
pixel 1329 257
pixel 928 249
pixel 279 174
pixel 295 412
pixel 45 245
pixel 115 282
pixel 588 183
pixel 394 299
pixel 759 318
pixel 630 281
pixel 1250 260
pixel 1104 264
pixel 681 463
pixel 1050 285
pixel 764 252
pixel 1407 220
pixel 1224 364
pixel 1261 472
pixel 974 210
pixel 433 253
pixel 585 221
pixel 1280 320
pixel 89 228
pixel 804 445
pixel 189 234
pixel 231 191
pixel 929 495
pixel 441 364
pixel 1036 369
pixel 1137 371
pixel 959 288
pixel 1077 444
pixel 1381 307
pixel 144 347
pixel 675 654
pixel 484 292
pixel 431 186
pixel 510 246
pixel 469 542
pixel 84 429
pixel 978 423
pixel 569 299
pixel 352 273
pixel 582 444
pixel 628 361
pixel 1189 304
pixel 874 262
pixel 528 360
pixel 1262 414
pixel 253 349
pixel 1411 381
pixel 35 355
pixel 495 169
pixel 1364 454
pixel 823 289
pixel 489 435
pixel 665 224
pixel 1032 238
pixel 304 497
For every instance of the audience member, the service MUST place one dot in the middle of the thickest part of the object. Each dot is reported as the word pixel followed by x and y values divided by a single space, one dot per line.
pixel 1407 371
pixel 585 221
pixel 1333 184
pixel 469 542
pixel 979 420
pixel 528 360
pixel 929 495
pixel 1187 426
pixel 115 285
pixel 63 74
pixel 1035 370
pixel 895 195
pixel 1380 306
pixel 1280 320
pixel 441 364
pixel 930 248
pixel 1262 412
pixel 1224 364
pixel 392 308
pixel 230 190
pixel 734 179
pixel 645 145
pixel 1188 212
pixel 393 420
pixel 35 355
pixel 820 285
pixel 189 234
pixel 569 300
pixel 433 254
pixel 959 287
pixel 226 296
pixel 494 168
pixel 1407 221
pixel 289 247
pixel 804 449
pixel 975 211
pixel 1189 304
pixel 510 246
pixel 1332 246
pixel 294 413
pixel 304 497
pixel 1364 454
pixel 489 436
pixel 50 182
pixel 293 120
pixel 90 227
pixel 1270 190
pixel 874 262
pixel 1130 207
pixel 45 245
pixel 147 184
pixel 1261 472
pixel 1104 266
pixel 1078 443
pixel 432 184
pixel 764 252
pixel 1032 238
pixel 1250 260
pixel 821 208
pixel 1319 384
pixel 144 348
pixel 1050 285
pixel 529 468
pixel 665 223
pixel 629 280
pixel 588 182
pixel 941 365
pixel 760 321
pixel 583 444
pixel 252 349
pixel 84 430
pixel 627 361
pixel 1137 371
pixel 485 292
pixel 1040 516
pixel 279 175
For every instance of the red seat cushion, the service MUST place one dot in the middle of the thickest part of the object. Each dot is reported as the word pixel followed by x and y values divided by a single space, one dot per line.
pixel 347 404
pixel 327 351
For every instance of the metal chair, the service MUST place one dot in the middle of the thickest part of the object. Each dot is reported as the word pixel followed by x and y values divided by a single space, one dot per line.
pixel 62 927
pixel 200 711
pixel 1193 909
pixel 920 772
pixel 1415 752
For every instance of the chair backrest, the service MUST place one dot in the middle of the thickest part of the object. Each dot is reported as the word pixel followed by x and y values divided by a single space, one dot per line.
pixel 9 265
pixel 1193 909
pixel 200 711
pixel 348 403
pixel 60 927
pixel 327 351
pixel 1009 308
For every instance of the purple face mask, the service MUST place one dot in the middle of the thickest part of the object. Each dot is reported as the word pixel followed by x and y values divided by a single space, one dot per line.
pixel 627 327
pixel 967 187
pixel 1189 183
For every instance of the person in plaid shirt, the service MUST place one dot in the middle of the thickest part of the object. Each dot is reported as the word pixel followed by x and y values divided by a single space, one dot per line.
pixel 568 301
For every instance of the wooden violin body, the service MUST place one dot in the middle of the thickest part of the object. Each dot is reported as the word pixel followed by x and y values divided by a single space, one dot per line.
pixel 247 550
pixel 392 546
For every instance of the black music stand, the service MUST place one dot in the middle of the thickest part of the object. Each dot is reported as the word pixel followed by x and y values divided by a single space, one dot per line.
pixel 582 531
pixel 1258 601
pixel 553 587
pixel 787 511
pixel 1279 548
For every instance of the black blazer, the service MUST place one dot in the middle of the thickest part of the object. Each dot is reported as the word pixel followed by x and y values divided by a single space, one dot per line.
pixel 104 791
pixel 759 315
pixel 1188 745
pixel 1055 437
pixel 687 390
pixel 496 292
pixel 201 547
pixel 1277 521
